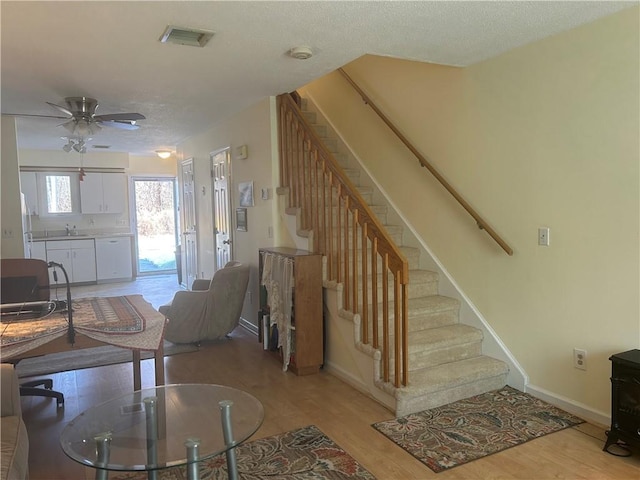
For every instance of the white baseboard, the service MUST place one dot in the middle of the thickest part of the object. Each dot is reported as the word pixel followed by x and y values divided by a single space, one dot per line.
pixel 583 411
pixel 249 326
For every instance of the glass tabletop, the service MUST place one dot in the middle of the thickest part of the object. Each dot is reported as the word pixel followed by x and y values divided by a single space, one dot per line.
pixel 185 413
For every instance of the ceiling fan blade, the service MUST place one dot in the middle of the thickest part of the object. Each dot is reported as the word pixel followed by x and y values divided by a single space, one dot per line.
pixel 119 117
pixel 62 109
pixel 30 115
pixel 120 125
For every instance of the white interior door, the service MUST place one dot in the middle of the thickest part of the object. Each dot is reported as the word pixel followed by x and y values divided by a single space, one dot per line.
pixel 221 168
pixel 189 238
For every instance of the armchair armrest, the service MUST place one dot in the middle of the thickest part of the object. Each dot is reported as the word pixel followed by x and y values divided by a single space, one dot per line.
pixel 9 391
pixel 200 284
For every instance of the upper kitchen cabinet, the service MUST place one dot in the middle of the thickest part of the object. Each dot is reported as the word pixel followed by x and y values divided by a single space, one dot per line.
pixel 29 187
pixel 103 193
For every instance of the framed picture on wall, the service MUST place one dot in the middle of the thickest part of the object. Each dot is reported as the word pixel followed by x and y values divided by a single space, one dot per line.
pixel 241 219
pixel 246 194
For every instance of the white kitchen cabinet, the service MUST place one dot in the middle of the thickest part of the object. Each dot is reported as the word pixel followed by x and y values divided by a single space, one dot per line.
pixel 39 250
pixel 78 257
pixel 103 193
pixel 29 186
pixel 113 258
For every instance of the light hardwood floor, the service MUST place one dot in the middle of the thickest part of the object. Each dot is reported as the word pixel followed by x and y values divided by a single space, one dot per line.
pixel 290 402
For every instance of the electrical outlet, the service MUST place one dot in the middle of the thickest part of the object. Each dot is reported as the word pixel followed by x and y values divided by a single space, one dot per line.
pixel 580 358
pixel 7 233
pixel 543 236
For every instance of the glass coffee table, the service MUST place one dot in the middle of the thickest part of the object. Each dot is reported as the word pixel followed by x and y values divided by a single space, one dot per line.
pixel 162 427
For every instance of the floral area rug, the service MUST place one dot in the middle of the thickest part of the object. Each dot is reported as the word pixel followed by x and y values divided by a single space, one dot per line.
pixel 469 429
pixel 306 453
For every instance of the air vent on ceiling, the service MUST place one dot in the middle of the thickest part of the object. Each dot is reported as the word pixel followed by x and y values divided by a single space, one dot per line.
pixel 186 36
pixel 104 147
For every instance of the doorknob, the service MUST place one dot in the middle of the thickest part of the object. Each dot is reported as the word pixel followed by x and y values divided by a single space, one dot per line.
pixel 227 242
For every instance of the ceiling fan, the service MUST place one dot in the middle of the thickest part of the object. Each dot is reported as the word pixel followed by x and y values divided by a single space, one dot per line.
pixel 81 118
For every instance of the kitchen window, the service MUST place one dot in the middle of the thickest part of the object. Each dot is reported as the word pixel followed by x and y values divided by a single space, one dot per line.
pixel 59 193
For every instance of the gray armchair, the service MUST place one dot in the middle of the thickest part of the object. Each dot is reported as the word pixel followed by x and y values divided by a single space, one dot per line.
pixel 211 309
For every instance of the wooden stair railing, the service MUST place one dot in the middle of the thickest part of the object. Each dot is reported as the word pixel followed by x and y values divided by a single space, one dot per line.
pixel 482 224
pixel 347 232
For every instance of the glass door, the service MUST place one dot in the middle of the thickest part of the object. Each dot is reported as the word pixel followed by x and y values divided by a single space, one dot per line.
pixel 155 225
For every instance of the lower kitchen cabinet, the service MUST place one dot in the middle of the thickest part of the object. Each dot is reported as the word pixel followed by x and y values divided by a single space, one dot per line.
pixel 39 250
pixel 113 258
pixel 78 257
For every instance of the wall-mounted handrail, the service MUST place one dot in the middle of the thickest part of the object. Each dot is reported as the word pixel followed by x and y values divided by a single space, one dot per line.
pixel 482 224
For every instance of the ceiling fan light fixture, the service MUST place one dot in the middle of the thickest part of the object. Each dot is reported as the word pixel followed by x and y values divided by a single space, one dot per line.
pixel 164 154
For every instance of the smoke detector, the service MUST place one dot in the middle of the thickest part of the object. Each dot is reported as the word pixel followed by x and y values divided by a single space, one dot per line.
pixel 301 53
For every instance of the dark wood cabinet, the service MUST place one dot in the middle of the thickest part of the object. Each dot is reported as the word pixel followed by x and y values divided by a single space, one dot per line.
pixel 625 399
pixel 306 320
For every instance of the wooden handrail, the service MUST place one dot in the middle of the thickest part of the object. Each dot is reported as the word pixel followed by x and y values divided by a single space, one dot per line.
pixel 482 224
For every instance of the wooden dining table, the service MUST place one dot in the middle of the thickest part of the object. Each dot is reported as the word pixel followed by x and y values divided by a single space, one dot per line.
pixel 128 322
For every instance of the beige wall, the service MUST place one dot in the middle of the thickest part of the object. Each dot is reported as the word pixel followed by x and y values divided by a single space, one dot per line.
pixel 152 166
pixel 252 127
pixel 12 245
pixel 545 135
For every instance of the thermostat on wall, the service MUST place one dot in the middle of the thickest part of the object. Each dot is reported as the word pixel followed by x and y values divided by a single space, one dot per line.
pixel 241 152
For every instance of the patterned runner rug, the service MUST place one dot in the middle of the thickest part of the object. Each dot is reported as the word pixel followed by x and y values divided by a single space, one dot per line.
pixel 469 429
pixel 305 453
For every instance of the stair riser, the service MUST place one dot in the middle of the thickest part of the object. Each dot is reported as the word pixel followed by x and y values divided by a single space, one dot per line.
pixel 395 233
pixel 431 358
pixel 440 319
pixel 416 290
pixel 449 395
pixel 413 259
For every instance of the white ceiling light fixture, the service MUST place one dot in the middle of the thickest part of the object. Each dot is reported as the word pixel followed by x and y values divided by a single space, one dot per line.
pixel 301 53
pixel 164 154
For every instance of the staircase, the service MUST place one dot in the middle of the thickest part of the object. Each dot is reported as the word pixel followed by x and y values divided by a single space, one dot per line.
pixel 445 360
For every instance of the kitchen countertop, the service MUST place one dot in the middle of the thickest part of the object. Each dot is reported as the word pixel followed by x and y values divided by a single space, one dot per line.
pixel 81 236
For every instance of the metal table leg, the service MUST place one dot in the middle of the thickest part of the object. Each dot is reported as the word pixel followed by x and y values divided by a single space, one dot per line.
pixel 193 455
pixel 232 466
pixel 103 442
pixel 151 414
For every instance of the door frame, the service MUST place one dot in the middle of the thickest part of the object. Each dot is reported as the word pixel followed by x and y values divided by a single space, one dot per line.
pixel 134 218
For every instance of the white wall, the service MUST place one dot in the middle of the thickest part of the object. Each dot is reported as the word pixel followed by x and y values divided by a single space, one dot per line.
pixel 545 135
pixel 253 127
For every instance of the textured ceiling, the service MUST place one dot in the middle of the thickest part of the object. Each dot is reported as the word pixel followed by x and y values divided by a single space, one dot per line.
pixel 110 51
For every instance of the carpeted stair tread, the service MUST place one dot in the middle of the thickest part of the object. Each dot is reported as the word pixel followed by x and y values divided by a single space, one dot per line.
pixel 453 374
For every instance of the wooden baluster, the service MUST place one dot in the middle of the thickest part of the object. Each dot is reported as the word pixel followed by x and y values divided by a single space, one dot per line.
pixel 374 292
pixel 365 285
pixel 385 316
pixel 396 328
pixel 354 267
pixel 405 332
pixel 347 257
